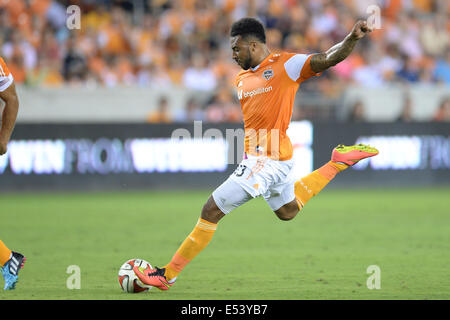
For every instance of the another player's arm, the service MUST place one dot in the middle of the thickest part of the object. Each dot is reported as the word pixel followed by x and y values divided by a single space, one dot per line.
pixel 322 61
pixel 9 115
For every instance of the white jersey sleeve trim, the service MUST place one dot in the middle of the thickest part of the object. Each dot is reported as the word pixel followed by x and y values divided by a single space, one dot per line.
pixel 295 65
pixel 5 82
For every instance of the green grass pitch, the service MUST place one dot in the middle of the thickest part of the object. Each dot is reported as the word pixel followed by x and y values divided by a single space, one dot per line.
pixel 322 254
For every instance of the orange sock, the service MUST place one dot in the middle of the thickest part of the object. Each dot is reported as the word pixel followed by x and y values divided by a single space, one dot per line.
pixel 307 187
pixel 197 240
pixel 5 254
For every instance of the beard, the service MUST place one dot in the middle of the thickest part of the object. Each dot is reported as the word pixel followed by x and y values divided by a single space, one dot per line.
pixel 246 64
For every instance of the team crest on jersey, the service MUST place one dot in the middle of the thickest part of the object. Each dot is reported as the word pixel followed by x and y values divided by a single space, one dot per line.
pixel 267 74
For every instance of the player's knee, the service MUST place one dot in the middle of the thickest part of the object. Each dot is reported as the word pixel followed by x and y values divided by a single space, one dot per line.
pixel 287 216
pixel 287 212
pixel 211 212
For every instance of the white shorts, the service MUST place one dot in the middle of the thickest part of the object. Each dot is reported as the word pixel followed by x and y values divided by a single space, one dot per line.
pixel 254 177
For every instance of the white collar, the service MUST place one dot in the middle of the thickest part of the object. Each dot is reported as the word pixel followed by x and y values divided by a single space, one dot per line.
pixel 256 68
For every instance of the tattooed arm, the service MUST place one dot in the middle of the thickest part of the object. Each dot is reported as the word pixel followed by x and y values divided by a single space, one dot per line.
pixel 340 51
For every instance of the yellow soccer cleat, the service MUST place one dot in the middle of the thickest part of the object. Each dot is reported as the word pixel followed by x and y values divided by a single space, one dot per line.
pixel 350 155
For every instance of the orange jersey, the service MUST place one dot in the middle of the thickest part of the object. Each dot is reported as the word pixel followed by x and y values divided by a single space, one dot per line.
pixel 267 94
pixel 6 77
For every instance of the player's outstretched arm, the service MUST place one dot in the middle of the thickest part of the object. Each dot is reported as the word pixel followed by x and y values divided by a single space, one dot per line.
pixel 340 51
pixel 9 115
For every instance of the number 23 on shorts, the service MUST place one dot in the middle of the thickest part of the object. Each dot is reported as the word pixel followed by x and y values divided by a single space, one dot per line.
pixel 240 170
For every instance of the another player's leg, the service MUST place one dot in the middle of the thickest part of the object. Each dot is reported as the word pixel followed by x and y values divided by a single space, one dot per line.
pixel 307 187
pixel 11 262
pixel 5 253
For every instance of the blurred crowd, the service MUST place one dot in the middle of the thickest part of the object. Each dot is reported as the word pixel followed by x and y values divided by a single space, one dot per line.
pixel 161 43
pixel 358 112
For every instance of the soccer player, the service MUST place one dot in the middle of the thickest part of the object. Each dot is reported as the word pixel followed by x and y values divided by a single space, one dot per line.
pixel 11 262
pixel 266 88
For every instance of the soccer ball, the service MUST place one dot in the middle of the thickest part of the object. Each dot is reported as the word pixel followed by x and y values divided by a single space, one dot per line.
pixel 128 280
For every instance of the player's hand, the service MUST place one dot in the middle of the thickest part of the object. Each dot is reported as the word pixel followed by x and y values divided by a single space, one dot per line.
pixel 3 147
pixel 360 29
